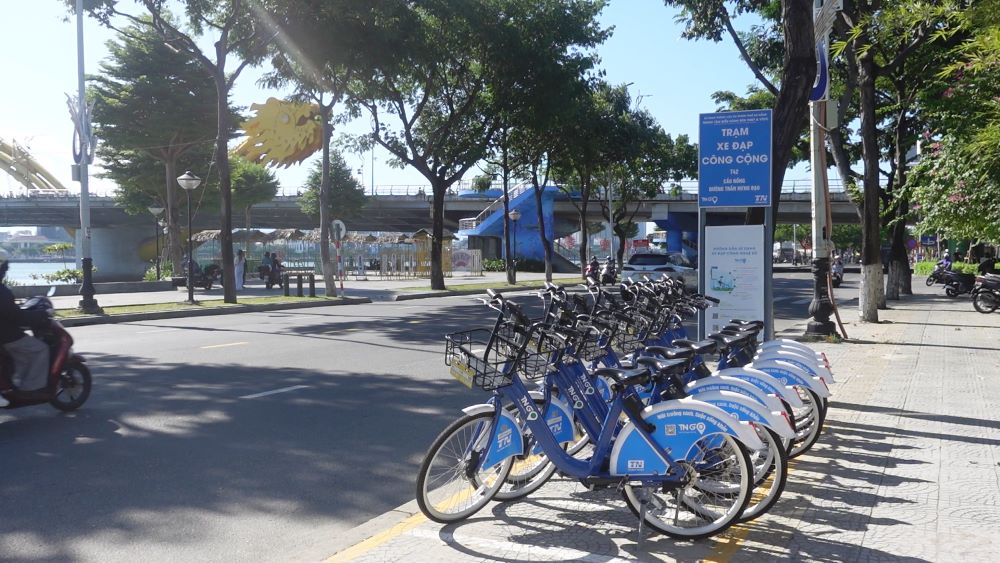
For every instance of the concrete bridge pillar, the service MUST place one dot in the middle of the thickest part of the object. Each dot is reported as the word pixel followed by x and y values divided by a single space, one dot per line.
pixel 116 252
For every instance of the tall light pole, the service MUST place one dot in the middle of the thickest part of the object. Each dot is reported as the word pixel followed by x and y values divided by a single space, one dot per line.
pixel 189 182
pixel 515 216
pixel 156 226
pixel 83 156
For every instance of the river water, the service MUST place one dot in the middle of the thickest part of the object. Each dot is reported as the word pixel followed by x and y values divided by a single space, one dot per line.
pixel 21 272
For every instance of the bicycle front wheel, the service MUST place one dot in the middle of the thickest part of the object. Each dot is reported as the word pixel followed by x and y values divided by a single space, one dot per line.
pixel 770 466
pixel 451 485
pixel 713 499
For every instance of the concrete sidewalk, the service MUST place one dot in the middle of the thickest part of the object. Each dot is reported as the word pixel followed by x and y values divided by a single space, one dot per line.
pixel 908 469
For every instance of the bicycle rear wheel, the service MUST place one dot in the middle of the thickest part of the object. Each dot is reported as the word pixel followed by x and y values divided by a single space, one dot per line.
pixel 451 485
pixel 714 498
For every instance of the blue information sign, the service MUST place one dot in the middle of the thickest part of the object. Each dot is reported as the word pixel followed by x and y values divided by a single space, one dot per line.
pixel 734 159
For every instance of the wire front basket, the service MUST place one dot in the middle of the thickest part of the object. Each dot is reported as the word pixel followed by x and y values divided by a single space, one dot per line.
pixel 483 358
pixel 593 342
pixel 629 334
pixel 536 361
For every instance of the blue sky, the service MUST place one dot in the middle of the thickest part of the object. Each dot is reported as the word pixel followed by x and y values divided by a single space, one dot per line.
pixel 675 77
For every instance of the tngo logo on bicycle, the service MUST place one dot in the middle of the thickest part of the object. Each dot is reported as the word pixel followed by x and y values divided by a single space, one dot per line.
pixel 698 427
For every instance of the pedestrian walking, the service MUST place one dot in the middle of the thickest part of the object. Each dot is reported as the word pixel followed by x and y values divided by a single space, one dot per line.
pixel 240 266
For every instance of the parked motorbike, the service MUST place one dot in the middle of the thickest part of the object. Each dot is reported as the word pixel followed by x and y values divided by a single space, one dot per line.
pixel 69 379
pixel 593 269
pixel 957 283
pixel 206 277
pixel 609 272
pixel 986 293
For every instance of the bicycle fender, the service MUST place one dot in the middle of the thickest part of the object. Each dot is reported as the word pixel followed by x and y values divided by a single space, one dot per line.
pixel 791 374
pixel 747 410
pixel 506 441
pixel 765 382
pixel 799 360
pixel 732 384
pixel 679 425
pixel 480 408
pixel 793 345
pixel 559 418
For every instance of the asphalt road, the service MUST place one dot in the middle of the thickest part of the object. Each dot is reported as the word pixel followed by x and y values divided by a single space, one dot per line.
pixel 242 437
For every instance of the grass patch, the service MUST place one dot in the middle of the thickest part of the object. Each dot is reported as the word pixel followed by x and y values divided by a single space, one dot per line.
pixel 183 306
pixel 497 285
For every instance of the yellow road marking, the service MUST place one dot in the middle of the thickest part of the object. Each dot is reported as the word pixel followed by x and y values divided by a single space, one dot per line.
pixel 359 549
pixel 224 345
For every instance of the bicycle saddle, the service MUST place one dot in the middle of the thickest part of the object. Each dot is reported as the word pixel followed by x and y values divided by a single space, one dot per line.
pixel 730 340
pixel 702 347
pixel 670 353
pixel 664 367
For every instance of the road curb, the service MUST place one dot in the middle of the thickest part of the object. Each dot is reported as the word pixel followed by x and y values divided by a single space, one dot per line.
pixel 212 311
pixel 454 292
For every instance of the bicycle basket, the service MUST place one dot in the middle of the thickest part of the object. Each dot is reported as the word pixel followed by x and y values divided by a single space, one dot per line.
pixel 591 345
pixel 629 335
pixel 536 361
pixel 480 358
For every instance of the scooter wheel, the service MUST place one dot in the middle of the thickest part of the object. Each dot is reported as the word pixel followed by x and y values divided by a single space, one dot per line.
pixel 951 292
pixel 73 387
pixel 929 281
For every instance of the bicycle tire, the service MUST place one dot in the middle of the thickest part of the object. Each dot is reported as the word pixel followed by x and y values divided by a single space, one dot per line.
pixel 464 494
pixel 770 474
pixel 808 423
pixel 690 499
pixel 528 472
pixel 985 302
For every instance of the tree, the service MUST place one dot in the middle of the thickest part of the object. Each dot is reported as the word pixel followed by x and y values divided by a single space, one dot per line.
pixel 151 102
pixel 436 73
pixel 709 20
pixel 236 30
pixel 346 197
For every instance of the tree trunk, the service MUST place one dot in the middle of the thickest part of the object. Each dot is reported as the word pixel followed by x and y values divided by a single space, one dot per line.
pixel 620 252
pixel 437 220
pixel 901 285
pixel 584 231
pixel 174 250
pixel 871 260
pixel 324 206
pixel 546 243
pixel 511 252
pixel 225 188
pixel 798 71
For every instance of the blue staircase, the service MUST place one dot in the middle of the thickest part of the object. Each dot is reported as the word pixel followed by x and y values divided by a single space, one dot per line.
pixel 524 232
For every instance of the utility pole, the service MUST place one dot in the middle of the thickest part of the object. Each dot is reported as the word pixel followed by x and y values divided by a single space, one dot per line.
pixel 820 308
pixel 83 157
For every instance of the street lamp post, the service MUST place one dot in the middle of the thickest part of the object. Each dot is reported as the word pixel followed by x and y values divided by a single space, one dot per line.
pixel 189 181
pixel 514 215
pixel 156 225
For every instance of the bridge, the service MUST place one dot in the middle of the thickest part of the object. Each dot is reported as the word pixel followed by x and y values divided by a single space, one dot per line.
pixel 403 213
pixel 116 235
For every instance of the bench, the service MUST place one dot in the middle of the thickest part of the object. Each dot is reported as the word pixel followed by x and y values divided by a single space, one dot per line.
pixel 299 275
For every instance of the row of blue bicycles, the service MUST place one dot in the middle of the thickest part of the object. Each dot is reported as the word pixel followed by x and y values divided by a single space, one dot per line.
pixel 607 389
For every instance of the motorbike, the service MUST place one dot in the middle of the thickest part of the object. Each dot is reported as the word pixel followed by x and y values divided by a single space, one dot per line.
pixel 609 272
pixel 937 276
pixel 986 293
pixel 69 380
pixel 837 274
pixel 204 278
pixel 593 270
pixel 957 283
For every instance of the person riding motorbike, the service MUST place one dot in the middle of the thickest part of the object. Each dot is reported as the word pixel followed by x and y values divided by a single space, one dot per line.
pixel 30 355
pixel 945 262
